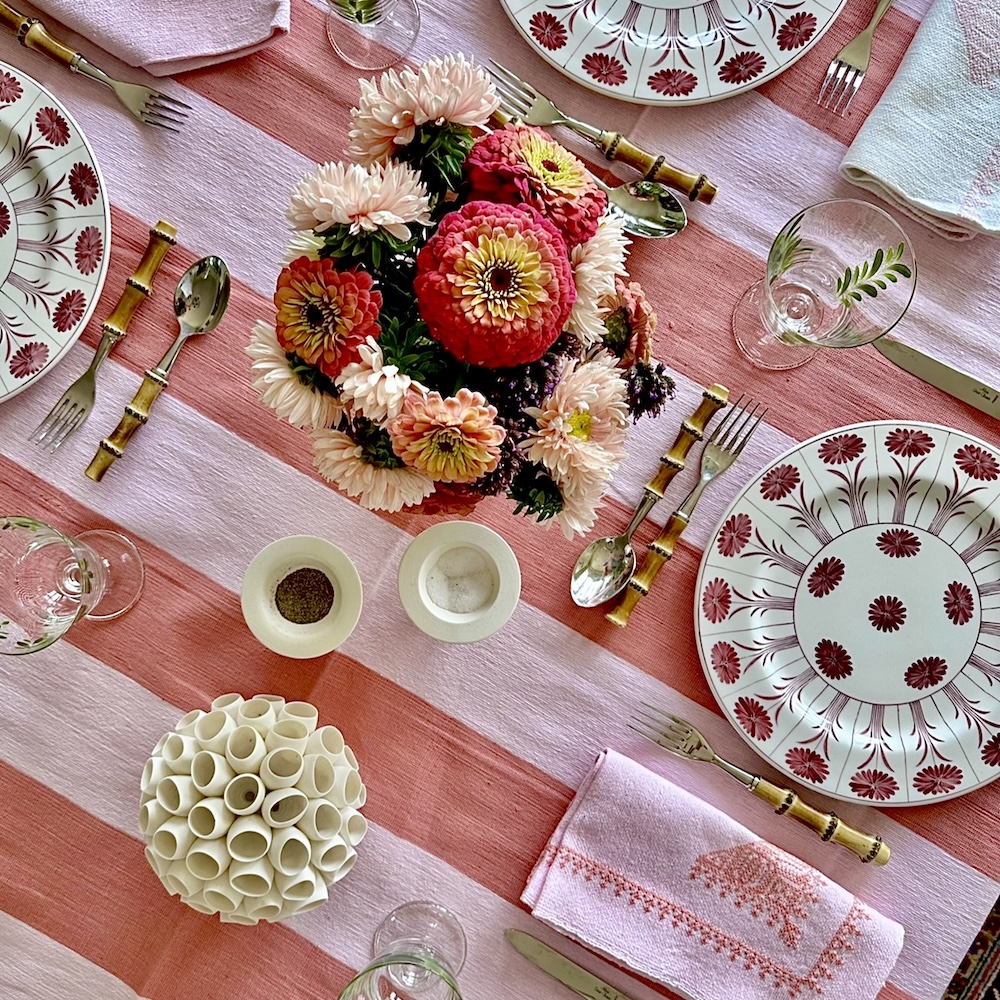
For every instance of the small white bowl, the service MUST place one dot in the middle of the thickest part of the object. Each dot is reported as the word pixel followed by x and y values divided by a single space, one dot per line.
pixel 270 566
pixel 459 581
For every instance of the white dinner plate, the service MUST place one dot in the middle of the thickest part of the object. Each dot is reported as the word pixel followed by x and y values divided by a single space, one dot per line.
pixel 55 231
pixel 672 52
pixel 848 613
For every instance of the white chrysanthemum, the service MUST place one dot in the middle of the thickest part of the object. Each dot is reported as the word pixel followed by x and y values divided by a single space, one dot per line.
pixel 595 264
pixel 282 390
pixel 303 244
pixel 449 89
pixel 582 426
pixel 341 461
pixel 381 196
pixel 374 388
pixel 580 506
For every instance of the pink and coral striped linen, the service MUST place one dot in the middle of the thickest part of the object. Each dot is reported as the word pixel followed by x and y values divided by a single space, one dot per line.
pixel 471 754
pixel 653 877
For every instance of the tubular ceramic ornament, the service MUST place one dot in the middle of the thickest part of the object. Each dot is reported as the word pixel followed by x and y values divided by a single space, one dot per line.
pixel 249 809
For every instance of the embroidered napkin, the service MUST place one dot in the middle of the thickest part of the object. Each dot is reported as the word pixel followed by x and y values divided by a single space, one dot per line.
pixel 931 146
pixel 168 38
pixel 663 883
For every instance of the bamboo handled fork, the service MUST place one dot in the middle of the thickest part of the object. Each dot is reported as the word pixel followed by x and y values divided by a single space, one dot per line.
pixel 680 738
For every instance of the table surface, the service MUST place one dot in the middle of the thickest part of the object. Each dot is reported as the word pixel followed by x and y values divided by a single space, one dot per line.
pixel 470 753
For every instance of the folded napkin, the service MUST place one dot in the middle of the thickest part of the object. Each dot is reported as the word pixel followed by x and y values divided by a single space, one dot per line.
pixel 931 146
pixel 168 38
pixel 666 885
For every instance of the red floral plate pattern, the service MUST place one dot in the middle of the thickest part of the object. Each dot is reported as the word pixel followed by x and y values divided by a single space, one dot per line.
pixel 848 613
pixel 672 52
pixel 55 230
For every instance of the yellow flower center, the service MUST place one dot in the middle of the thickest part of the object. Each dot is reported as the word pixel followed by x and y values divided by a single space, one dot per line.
pixel 502 276
pixel 580 423
pixel 554 167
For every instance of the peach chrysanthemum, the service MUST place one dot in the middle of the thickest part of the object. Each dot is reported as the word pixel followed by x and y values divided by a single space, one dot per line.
pixel 595 264
pixel 342 461
pixel 582 425
pixel 446 90
pixel 629 322
pixel 373 388
pixel 382 196
pixel 325 314
pixel 494 284
pixel 452 440
pixel 521 163
pixel 301 404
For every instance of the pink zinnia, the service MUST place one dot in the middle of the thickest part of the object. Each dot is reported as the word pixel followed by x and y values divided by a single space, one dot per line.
pixel 525 164
pixel 494 284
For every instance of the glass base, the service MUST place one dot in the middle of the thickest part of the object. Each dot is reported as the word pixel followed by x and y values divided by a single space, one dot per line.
pixel 423 927
pixel 760 346
pixel 123 569
pixel 377 45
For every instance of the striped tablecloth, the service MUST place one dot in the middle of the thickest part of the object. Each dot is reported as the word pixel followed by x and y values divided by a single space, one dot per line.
pixel 470 753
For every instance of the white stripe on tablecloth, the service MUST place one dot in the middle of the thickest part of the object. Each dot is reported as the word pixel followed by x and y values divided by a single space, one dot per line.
pixel 558 697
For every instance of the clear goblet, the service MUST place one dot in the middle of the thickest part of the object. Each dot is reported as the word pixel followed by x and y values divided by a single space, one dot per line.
pixel 372 34
pixel 49 580
pixel 839 274
pixel 419 950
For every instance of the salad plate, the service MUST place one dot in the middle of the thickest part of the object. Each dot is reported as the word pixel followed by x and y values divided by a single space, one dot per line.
pixel 55 231
pixel 672 52
pixel 848 613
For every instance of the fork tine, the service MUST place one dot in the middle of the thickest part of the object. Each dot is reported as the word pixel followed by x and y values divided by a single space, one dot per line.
pixel 859 77
pixel 737 430
pixel 167 99
pixel 827 81
pixel 719 428
pixel 51 422
pixel 850 85
pixel 750 432
pixel 146 120
pixel 513 81
pixel 512 103
pixel 71 425
pixel 165 114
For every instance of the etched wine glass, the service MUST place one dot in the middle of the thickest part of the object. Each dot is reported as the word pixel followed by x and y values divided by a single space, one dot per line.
pixel 839 274
pixel 419 949
pixel 49 581
pixel 372 34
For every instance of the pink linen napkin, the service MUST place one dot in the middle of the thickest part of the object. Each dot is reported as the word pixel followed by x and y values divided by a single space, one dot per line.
pixel 666 885
pixel 168 38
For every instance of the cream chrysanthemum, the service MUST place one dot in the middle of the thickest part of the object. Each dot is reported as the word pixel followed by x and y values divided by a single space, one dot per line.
pixel 341 460
pixel 281 388
pixel 373 388
pixel 443 90
pixel 381 196
pixel 582 425
pixel 580 507
pixel 303 244
pixel 595 264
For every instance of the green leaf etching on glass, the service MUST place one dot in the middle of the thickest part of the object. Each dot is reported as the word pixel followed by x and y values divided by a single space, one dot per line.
pixel 787 250
pixel 360 11
pixel 873 275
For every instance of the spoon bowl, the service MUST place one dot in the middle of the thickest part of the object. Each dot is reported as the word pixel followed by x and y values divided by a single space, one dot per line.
pixel 648 208
pixel 200 301
pixel 603 570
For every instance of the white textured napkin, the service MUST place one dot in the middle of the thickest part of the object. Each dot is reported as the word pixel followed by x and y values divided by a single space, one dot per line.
pixel 931 146
pixel 166 38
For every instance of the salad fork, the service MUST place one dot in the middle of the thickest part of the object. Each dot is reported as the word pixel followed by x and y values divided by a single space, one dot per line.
pixel 534 108
pixel 143 103
pixel 681 739
pixel 725 445
pixel 847 70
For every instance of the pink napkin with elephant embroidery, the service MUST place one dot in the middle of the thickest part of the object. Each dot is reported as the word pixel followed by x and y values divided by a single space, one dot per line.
pixel 670 887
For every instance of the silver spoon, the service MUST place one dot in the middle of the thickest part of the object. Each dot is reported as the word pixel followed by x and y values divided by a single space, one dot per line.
pixel 648 208
pixel 200 301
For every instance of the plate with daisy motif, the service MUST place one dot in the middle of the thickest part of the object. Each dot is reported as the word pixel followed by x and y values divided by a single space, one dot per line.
pixel 55 231
pixel 848 613
pixel 672 52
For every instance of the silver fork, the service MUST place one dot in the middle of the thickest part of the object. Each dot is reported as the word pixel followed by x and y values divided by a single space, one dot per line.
pixel 721 450
pixel 143 103
pixel 680 738
pixel 522 100
pixel 847 70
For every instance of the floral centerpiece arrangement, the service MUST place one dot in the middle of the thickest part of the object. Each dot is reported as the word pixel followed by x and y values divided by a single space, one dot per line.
pixel 454 319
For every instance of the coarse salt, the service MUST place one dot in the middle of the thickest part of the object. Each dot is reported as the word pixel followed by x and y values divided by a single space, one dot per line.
pixel 461 581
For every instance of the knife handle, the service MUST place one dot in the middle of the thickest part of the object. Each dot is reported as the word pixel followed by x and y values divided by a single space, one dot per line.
pixel 829 826
pixel 697 187
pixel 136 414
pixel 139 285
pixel 32 34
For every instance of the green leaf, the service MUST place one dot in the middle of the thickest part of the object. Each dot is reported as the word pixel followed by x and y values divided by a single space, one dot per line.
pixel 870 276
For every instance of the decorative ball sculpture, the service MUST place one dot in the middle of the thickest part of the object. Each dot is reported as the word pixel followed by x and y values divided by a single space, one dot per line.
pixel 251 811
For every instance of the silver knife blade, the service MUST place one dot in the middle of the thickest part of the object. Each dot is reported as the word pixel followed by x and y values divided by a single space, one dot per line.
pixel 942 376
pixel 559 967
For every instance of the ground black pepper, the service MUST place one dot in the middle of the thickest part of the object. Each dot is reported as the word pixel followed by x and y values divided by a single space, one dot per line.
pixel 304 596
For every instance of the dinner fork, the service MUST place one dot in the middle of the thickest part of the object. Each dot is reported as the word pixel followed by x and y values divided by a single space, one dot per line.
pixel 523 101
pixel 721 450
pixel 75 404
pixel 847 70
pixel 680 738
pixel 143 103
